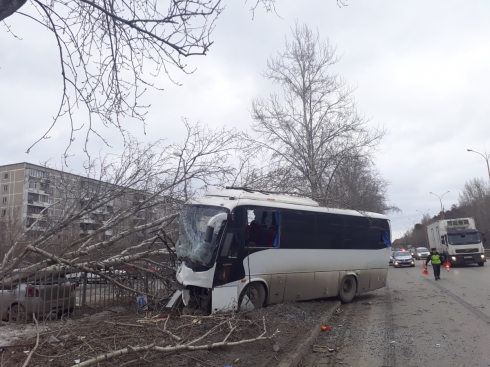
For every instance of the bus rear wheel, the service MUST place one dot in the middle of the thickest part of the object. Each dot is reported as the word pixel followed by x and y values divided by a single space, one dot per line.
pixel 255 293
pixel 348 288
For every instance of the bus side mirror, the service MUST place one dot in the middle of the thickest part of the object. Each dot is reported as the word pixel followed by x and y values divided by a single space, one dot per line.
pixel 208 236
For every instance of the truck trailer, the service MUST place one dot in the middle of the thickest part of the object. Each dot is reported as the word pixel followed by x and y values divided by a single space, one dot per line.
pixel 458 240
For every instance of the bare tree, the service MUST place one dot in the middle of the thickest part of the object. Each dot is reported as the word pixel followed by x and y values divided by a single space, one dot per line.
pixel 356 184
pixel 474 201
pixel 312 132
pixel 112 51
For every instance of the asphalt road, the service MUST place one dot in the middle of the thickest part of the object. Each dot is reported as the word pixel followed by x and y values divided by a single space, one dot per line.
pixel 415 321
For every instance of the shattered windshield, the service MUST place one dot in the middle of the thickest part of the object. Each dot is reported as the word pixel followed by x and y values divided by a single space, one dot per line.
pixel 464 238
pixel 193 223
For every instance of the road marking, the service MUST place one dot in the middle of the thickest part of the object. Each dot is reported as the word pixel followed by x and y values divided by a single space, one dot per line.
pixel 462 302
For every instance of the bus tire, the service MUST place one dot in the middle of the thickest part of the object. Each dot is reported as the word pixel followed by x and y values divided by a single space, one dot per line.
pixel 347 289
pixel 481 263
pixel 255 292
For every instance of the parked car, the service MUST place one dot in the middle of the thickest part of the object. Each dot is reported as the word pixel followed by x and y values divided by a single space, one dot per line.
pixel 421 253
pixel 78 278
pixel 40 297
pixel 402 258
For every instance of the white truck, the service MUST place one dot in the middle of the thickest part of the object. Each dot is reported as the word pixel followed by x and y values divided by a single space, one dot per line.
pixel 458 240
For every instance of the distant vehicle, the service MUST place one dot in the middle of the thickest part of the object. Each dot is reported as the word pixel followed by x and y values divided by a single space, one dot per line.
pixel 458 240
pixel 402 258
pixel 391 258
pixel 421 253
pixel 41 297
pixel 412 251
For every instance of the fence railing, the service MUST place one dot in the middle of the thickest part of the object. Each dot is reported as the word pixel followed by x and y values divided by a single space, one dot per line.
pixel 51 295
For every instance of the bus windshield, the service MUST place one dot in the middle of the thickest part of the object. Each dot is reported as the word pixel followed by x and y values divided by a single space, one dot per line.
pixel 464 238
pixel 193 223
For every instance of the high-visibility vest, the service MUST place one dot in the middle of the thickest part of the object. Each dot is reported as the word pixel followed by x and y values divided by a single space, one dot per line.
pixel 435 259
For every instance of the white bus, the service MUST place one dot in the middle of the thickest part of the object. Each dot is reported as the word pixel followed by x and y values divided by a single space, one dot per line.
pixel 242 248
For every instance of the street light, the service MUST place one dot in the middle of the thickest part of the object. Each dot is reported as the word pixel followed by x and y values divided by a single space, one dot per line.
pixel 440 200
pixel 485 156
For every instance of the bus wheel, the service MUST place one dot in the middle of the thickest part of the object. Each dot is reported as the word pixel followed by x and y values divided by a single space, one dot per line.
pixel 481 264
pixel 255 293
pixel 348 288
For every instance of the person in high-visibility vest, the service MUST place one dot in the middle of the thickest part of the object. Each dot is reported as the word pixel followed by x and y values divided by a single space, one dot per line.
pixel 436 260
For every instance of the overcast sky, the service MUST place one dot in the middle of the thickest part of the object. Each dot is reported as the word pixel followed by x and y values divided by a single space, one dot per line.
pixel 421 68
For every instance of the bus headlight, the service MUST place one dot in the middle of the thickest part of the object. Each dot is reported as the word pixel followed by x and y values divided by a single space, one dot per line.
pixel 482 256
pixel 453 258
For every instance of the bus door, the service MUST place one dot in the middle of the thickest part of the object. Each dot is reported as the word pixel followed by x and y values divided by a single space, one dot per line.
pixel 229 264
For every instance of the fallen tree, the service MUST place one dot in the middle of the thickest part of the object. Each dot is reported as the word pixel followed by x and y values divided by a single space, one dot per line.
pixel 122 210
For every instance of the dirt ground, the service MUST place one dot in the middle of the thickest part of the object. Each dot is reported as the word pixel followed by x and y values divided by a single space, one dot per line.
pixel 76 340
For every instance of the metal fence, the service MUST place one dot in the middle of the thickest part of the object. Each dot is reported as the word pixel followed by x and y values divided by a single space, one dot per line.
pixel 51 295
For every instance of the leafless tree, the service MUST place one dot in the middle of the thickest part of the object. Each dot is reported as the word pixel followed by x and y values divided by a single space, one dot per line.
pixel 357 184
pixel 313 134
pixel 474 201
pixel 112 51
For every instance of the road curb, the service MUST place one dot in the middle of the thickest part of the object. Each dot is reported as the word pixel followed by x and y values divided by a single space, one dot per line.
pixel 294 358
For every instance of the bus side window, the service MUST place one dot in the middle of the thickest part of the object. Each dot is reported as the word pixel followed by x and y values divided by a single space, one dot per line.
pixel 262 228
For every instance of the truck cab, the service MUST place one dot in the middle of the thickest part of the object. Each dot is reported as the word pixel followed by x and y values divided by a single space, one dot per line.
pixel 458 240
pixel 463 246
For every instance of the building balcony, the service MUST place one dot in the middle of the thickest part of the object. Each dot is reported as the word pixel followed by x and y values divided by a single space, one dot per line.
pixel 87 231
pixel 38 203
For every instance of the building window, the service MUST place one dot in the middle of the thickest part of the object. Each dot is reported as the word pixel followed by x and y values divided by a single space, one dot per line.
pixel 32 197
pixel 32 185
pixel 5 176
pixel 5 187
pixel 37 173
pixel 30 221
pixel 4 200
pixel 4 212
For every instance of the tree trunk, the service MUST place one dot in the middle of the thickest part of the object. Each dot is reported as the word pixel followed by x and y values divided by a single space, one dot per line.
pixel 9 7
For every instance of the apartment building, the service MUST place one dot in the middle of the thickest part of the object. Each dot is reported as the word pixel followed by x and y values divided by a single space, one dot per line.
pixel 32 194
